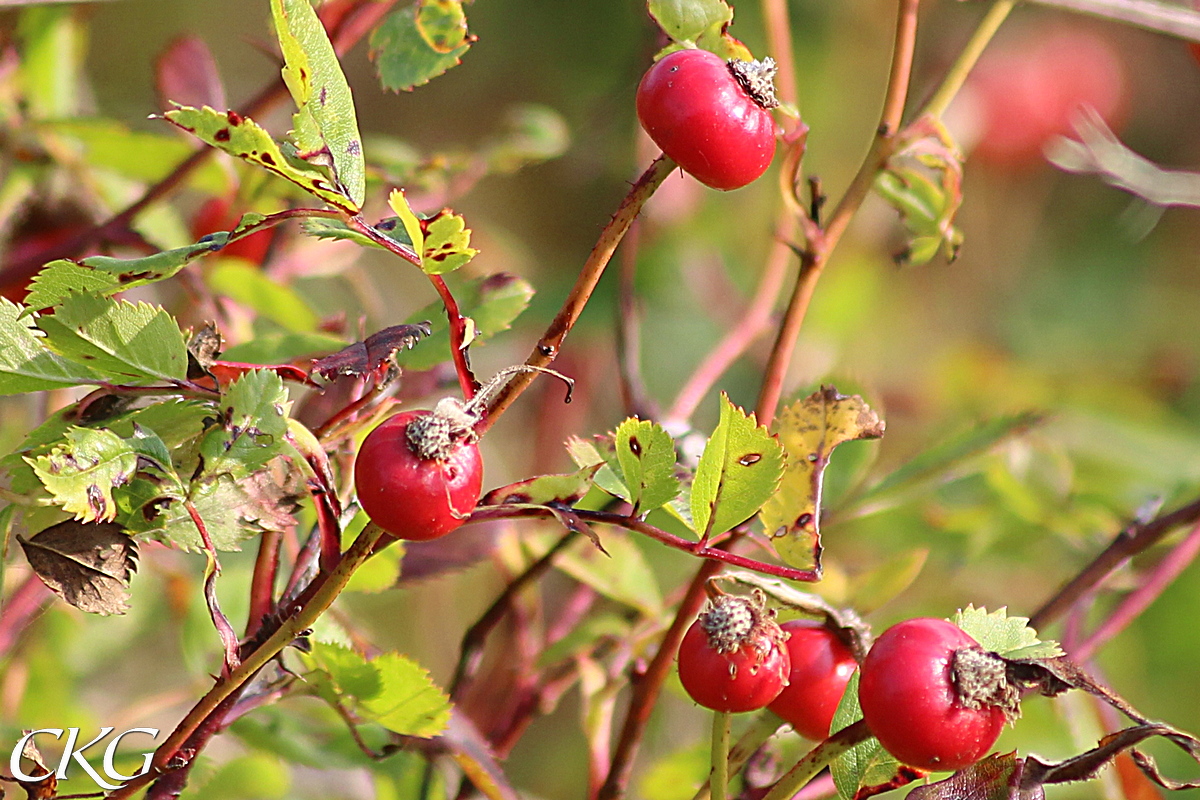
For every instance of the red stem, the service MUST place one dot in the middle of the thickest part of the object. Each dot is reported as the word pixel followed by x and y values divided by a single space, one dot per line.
pixel 1134 539
pixel 548 346
pixel 1170 568
pixel 25 603
pixel 262 583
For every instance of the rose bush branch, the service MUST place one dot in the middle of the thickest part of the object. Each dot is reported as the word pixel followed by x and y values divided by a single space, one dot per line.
pixel 818 249
pixel 300 617
pixel 1134 539
pixel 1137 601
pixel 353 25
pixel 547 347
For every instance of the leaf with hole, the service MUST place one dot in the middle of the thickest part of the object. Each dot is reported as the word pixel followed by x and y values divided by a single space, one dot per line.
pixel 738 472
pixel 646 456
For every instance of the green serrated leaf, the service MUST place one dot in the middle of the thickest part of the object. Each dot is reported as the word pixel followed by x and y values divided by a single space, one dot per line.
pixel 326 124
pixel 646 455
pixel 865 764
pixel 408 701
pixel 102 275
pixel 403 55
pixel 136 343
pixel 447 243
pixel 738 471
pixel 493 302
pixel 26 365
pixel 345 672
pixel 249 286
pixel 232 510
pixel 686 20
pixel 1011 637
pixel 243 137
pixel 253 423
pixel 82 473
pixel 587 453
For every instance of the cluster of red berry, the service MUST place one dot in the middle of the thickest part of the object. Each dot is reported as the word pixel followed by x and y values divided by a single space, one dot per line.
pixel 736 658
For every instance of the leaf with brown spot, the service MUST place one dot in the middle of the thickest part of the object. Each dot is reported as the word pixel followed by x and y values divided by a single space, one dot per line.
pixel 565 490
pixel 83 470
pixel 373 354
pixel 738 471
pixel 86 564
pixel 46 787
pixel 646 455
pixel 809 430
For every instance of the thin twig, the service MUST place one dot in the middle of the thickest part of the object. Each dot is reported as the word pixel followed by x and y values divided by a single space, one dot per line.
pixel 545 351
pixel 962 66
pixel 708 551
pixel 1137 601
pixel 817 759
pixel 819 248
pixel 308 608
pixel 1135 538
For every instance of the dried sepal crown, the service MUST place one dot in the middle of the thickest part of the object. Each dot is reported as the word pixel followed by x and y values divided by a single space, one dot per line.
pixel 451 423
pixel 733 622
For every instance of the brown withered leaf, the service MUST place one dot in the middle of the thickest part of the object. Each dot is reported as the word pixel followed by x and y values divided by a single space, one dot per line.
pixel 997 777
pixel 1087 765
pixel 809 430
pixel 373 354
pixel 86 564
pixel 46 787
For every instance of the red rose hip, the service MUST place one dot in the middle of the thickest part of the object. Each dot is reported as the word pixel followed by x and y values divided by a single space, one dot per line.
pixel 732 658
pixel 414 480
pixel 821 668
pixel 710 117
pixel 911 698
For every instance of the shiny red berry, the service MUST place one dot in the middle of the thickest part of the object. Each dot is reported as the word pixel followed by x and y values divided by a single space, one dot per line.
pixel 732 658
pixel 911 698
pixel 416 477
pixel 821 668
pixel 711 117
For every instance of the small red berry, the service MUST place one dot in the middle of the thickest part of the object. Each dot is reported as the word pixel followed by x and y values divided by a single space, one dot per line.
pixel 732 658
pixel 920 695
pixel 709 116
pixel 418 474
pixel 821 668
pixel 1029 89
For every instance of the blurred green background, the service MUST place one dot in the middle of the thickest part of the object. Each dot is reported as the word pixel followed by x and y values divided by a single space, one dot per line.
pixel 1069 298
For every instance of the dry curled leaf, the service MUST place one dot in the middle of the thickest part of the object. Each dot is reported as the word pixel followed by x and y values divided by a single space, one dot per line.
pixel 86 564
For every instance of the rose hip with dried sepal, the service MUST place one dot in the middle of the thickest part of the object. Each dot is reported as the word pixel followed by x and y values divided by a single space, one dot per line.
pixel 932 696
pixel 733 657
pixel 711 116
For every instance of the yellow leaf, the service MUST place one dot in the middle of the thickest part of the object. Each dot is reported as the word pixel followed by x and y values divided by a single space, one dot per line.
pixel 809 429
